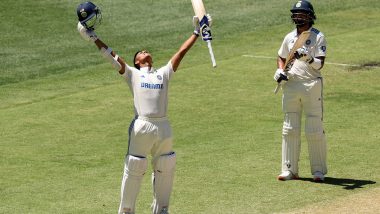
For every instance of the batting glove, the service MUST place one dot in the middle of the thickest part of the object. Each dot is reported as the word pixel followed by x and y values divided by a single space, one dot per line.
pixel 279 75
pixel 88 35
pixel 197 28
pixel 303 55
pixel 209 19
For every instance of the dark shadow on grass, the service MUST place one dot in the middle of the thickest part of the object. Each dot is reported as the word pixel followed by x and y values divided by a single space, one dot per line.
pixel 346 183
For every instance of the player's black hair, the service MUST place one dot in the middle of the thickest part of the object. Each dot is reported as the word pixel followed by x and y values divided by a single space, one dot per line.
pixel 134 60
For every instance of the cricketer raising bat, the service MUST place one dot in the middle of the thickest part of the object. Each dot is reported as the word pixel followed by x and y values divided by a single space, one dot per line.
pixel 200 12
pixel 302 38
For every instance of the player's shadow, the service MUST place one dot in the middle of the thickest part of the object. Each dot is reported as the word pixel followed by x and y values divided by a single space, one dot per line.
pixel 346 183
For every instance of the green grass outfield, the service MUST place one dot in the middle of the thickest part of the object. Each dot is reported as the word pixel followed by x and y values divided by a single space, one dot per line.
pixel 64 112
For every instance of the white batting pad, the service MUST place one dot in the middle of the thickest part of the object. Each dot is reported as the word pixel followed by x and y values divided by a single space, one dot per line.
pixel 162 179
pixel 134 170
pixel 291 142
pixel 317 144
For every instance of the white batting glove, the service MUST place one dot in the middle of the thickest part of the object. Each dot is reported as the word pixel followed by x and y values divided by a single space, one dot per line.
pixel 303 55
pixel 88 35
pixel 280 75
pixel 209 19
pixel 196 25
pixel 196 22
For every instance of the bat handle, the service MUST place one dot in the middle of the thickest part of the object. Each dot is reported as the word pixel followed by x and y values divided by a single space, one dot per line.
pixel 211 53
pixel 277 88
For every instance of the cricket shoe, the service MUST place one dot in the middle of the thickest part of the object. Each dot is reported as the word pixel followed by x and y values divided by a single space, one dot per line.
pixel 287 175
pixel 318 177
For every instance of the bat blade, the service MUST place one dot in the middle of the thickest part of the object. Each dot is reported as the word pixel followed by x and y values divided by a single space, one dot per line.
pixel 302 38
pixel 200 12
pixel 199 8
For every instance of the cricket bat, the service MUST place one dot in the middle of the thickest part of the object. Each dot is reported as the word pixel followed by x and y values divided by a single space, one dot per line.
pixel 200 12
pixel 302 38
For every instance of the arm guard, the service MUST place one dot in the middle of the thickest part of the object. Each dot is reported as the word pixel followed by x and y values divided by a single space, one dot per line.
pixel 113 59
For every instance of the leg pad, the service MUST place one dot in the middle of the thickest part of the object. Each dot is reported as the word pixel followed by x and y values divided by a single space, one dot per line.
pixel 162 179
pixel 134 170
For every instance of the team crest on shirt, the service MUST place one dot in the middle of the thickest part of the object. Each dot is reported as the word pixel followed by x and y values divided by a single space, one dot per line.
pixel 323 48
pixel 308 42
pixel 159 77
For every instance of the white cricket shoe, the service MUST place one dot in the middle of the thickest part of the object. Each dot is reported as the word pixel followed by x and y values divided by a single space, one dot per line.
pixel 318 176
pixel 287 175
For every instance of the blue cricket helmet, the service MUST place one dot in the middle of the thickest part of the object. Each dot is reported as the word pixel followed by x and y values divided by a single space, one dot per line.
pixel 89 15
pixel 303 7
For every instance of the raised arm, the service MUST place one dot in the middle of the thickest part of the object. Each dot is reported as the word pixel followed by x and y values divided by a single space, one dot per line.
pixel 117 62
pixel 89 35
pixel 177 57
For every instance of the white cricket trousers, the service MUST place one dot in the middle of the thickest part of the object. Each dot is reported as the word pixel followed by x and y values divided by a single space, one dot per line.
pixel 148 136
pixel 303 96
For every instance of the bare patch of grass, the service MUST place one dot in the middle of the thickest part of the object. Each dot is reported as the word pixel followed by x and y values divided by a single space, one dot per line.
pixel 364 202
pixel 365 66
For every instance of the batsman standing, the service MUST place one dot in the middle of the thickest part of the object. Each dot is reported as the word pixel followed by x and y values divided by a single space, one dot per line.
pixel 302 91
pixel 150 131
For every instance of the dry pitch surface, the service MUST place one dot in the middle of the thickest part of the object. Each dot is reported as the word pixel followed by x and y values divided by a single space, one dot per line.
pixel 364 202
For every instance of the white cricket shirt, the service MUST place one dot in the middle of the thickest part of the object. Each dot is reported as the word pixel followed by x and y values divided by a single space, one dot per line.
pixel 316 46
pixel 149 89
